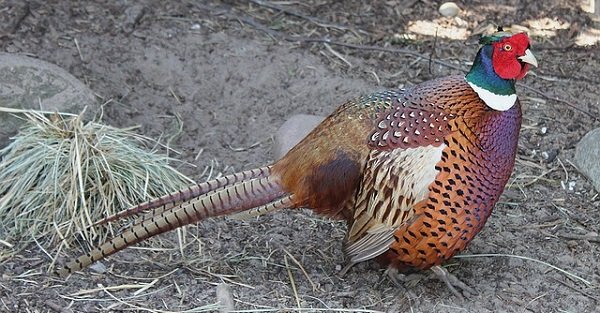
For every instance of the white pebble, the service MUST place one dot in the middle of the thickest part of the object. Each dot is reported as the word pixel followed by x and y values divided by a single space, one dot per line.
pixel 195 26
pixel 449 9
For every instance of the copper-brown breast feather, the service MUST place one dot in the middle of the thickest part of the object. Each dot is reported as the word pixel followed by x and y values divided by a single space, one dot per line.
pixel 475 166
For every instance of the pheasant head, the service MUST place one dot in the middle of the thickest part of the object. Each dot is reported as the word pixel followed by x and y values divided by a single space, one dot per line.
pixel 503 59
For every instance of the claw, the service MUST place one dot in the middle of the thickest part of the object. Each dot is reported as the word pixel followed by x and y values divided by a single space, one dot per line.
pixel 452 282
pixel 345 270
pixel 401 280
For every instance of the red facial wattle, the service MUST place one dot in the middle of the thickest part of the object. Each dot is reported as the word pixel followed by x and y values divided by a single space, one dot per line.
pixel 505 58
pixel 524 69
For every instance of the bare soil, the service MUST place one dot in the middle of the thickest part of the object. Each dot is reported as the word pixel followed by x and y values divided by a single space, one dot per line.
pixel 230 73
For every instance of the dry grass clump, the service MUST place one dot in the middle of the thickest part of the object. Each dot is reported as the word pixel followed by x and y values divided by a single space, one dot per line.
pixel 59 175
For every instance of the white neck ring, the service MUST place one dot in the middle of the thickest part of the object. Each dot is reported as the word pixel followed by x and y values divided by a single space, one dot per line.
pixel 494 101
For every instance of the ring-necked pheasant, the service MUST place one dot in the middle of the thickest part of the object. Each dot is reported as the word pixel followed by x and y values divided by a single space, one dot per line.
pixel 414 172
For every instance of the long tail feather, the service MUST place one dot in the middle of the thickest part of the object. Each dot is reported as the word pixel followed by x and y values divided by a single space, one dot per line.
pixel 263 208
pixel 171 200
pixel 281 203
pixel 232 199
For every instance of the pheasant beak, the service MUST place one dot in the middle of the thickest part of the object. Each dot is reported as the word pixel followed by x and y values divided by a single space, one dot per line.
pixel 529 58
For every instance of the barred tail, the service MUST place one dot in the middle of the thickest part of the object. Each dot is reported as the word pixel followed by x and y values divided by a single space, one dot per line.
pixel 166 202
pixel 284 202
pixel 236 198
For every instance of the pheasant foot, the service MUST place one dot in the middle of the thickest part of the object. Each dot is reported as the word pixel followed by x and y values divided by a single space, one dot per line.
pixel 403 280
pixel 411 280
pixel 452 282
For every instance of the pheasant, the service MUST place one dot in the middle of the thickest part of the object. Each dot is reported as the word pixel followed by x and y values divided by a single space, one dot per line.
pixel 414 172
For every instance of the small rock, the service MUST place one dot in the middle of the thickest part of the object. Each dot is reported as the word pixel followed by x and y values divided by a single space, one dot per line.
pixel 587 157
pixel 133 15
pixel 98 267
pixel 29 83
pixel 292 131
pixel 225 298
pixel 449 9
pixel 550 155
pixel 568 185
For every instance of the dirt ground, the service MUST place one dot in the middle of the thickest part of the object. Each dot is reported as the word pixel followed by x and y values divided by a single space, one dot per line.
pixel 233 71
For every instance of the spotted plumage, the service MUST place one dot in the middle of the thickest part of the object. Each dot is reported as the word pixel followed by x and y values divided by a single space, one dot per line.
pixel 414 172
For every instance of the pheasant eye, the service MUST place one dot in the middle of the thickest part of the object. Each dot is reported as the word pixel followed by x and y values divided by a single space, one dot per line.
pixel 507 47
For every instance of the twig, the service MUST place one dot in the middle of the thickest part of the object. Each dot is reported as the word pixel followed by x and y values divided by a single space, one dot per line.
pixel 376 77
pixel 314 287
pixel 337 54
pixel 432 54
pixel 140 308
pixel 222 277
pixel 305 310
pixel 174 95
pixel 25 111
pixel 578 290
pixel 238 149
pixel 465 256
pixel 250 21
pixel 292 281
pixel 580 237
pixel 533 300
pixel 57 307
pixel 299 15
pixel 539 177
pixel 78 49
pixel 557 99
pixel 6 243
pixel 372 48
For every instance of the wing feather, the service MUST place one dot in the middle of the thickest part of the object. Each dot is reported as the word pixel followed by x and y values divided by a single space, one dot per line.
pixel 395 181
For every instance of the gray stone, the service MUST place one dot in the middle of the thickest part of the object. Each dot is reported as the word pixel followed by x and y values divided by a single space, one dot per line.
pixel 98 267
pixel 587 156
pixel 225 298
pixel 292 131
pixel 29 83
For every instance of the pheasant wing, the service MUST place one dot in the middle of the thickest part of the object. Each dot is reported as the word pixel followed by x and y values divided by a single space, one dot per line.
pixel 406 144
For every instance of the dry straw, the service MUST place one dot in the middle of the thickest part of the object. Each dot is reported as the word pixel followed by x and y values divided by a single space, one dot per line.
pixel 59 175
